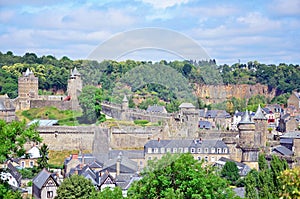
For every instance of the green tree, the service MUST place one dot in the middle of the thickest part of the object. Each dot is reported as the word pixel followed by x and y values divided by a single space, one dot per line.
pixel 230 172
pixel 77 187
pixel 179 176
pixel 43 160
pixel 14 135
pixel 290 180
pixel 108 193
pixel 90 101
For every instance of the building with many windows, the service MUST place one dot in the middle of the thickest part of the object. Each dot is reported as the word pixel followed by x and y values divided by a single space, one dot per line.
pixel 208 150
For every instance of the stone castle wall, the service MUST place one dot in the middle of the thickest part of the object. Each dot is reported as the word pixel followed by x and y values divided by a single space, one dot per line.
pixel 62 105
pixel 60 138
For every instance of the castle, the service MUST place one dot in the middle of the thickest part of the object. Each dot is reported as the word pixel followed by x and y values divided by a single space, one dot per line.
pixel 250 140
pixel 28 96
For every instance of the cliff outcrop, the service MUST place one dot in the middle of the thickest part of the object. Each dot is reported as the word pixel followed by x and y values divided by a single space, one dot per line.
pixel 219 93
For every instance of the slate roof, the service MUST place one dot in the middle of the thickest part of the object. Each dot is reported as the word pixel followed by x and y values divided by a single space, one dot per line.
pixel 156 109
pixel 131 154
pixel 246 119
pixel 4 99
pixel 243 168
pixel 186 105
pixel 105 176
pixel 125 99
pixel 259 114
pixel 43 122
pixel 213 114
pixel 14 172
pixel 283 150
pixel 292 134
pixel 75 72
pixel 204 125
pixel 41 178
pixel 126 165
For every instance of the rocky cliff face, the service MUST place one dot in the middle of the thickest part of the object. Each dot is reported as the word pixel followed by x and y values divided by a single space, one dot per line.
pixel 219 93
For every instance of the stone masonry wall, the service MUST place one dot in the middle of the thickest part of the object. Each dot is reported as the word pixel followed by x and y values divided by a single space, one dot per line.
pixel 62 105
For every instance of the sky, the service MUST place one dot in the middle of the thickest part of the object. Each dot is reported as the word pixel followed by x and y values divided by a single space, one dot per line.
pixel 264 30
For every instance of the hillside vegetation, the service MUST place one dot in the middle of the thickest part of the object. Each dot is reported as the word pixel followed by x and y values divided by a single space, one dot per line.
pixel 115 81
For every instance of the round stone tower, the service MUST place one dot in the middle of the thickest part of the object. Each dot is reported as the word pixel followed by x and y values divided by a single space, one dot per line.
pixel 246 142
pixel 261 127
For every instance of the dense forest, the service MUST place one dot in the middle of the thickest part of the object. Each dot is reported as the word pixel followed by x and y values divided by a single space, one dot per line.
pixel 53 74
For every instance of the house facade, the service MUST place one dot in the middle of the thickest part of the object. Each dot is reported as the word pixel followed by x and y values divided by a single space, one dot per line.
pixel 44 185
pixel 207 150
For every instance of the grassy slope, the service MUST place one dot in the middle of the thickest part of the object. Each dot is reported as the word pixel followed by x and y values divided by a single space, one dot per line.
pixel 66 117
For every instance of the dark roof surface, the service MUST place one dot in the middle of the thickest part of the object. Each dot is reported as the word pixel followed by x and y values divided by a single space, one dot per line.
pixel 204 124
pixel 41 178
pixel 156 109
pixel 283 150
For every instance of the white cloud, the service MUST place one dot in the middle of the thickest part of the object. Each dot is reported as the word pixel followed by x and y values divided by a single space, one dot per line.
pixel 285 7
pixel 163 4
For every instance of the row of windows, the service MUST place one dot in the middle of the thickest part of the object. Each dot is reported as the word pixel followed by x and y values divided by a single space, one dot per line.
pixel 186 150
pixel 206 158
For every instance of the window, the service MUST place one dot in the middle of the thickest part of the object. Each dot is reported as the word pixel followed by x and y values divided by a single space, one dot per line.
pixel 49 194
pixel 186 150
pixel 192 150
pixel 162 150
pixel 213 159
pixel 199 158
pixel 206 159
pixel 31 164
pixel 23 164
pixel 206 150
pixel 168 150
pixel 149 150
pixel 219 150
pixel 224 150
pixel 213 150
pixel 174 150
pixel 199 150
pixel 180 150
pixel 155 150
pixel 149 158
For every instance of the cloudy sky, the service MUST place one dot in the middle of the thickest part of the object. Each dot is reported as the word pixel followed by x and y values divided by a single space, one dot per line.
pixel 267 31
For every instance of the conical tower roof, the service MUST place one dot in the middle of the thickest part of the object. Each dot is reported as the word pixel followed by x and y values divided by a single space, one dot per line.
pixel 125 99
pixel 259 114
pixel 246 119
pixel 75 72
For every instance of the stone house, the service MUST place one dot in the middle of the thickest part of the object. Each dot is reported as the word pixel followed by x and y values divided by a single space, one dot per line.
pixel 208 150
pixel 217 118
pixel 44 185
pixel 156 109
pixel 7 109
pixel 291 140
pixel 11 174
pixel 294 100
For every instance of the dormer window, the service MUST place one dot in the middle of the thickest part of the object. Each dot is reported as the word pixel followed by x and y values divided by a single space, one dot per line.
pixel 168 150
pixel 225 150
pixel 186 150
pixel 174 150
pixel 149 150
pixel 155 150
pixel 192 150
pixel 199 150
pixel 212 150
pixel 180 150
pixel 162 150
pixel 219 150
pixel 206 150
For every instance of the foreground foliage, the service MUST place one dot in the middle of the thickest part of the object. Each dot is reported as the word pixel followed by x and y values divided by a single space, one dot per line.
pixel 180 176
pixel 13 136
pixel 265 183
pixel 290 180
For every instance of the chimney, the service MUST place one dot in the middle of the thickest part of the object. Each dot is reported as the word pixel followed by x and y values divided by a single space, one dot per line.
pixel 158 139
pixel 119 159
pixel 75 156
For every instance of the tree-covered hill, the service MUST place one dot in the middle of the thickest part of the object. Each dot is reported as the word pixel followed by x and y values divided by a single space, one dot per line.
pixel 53 74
